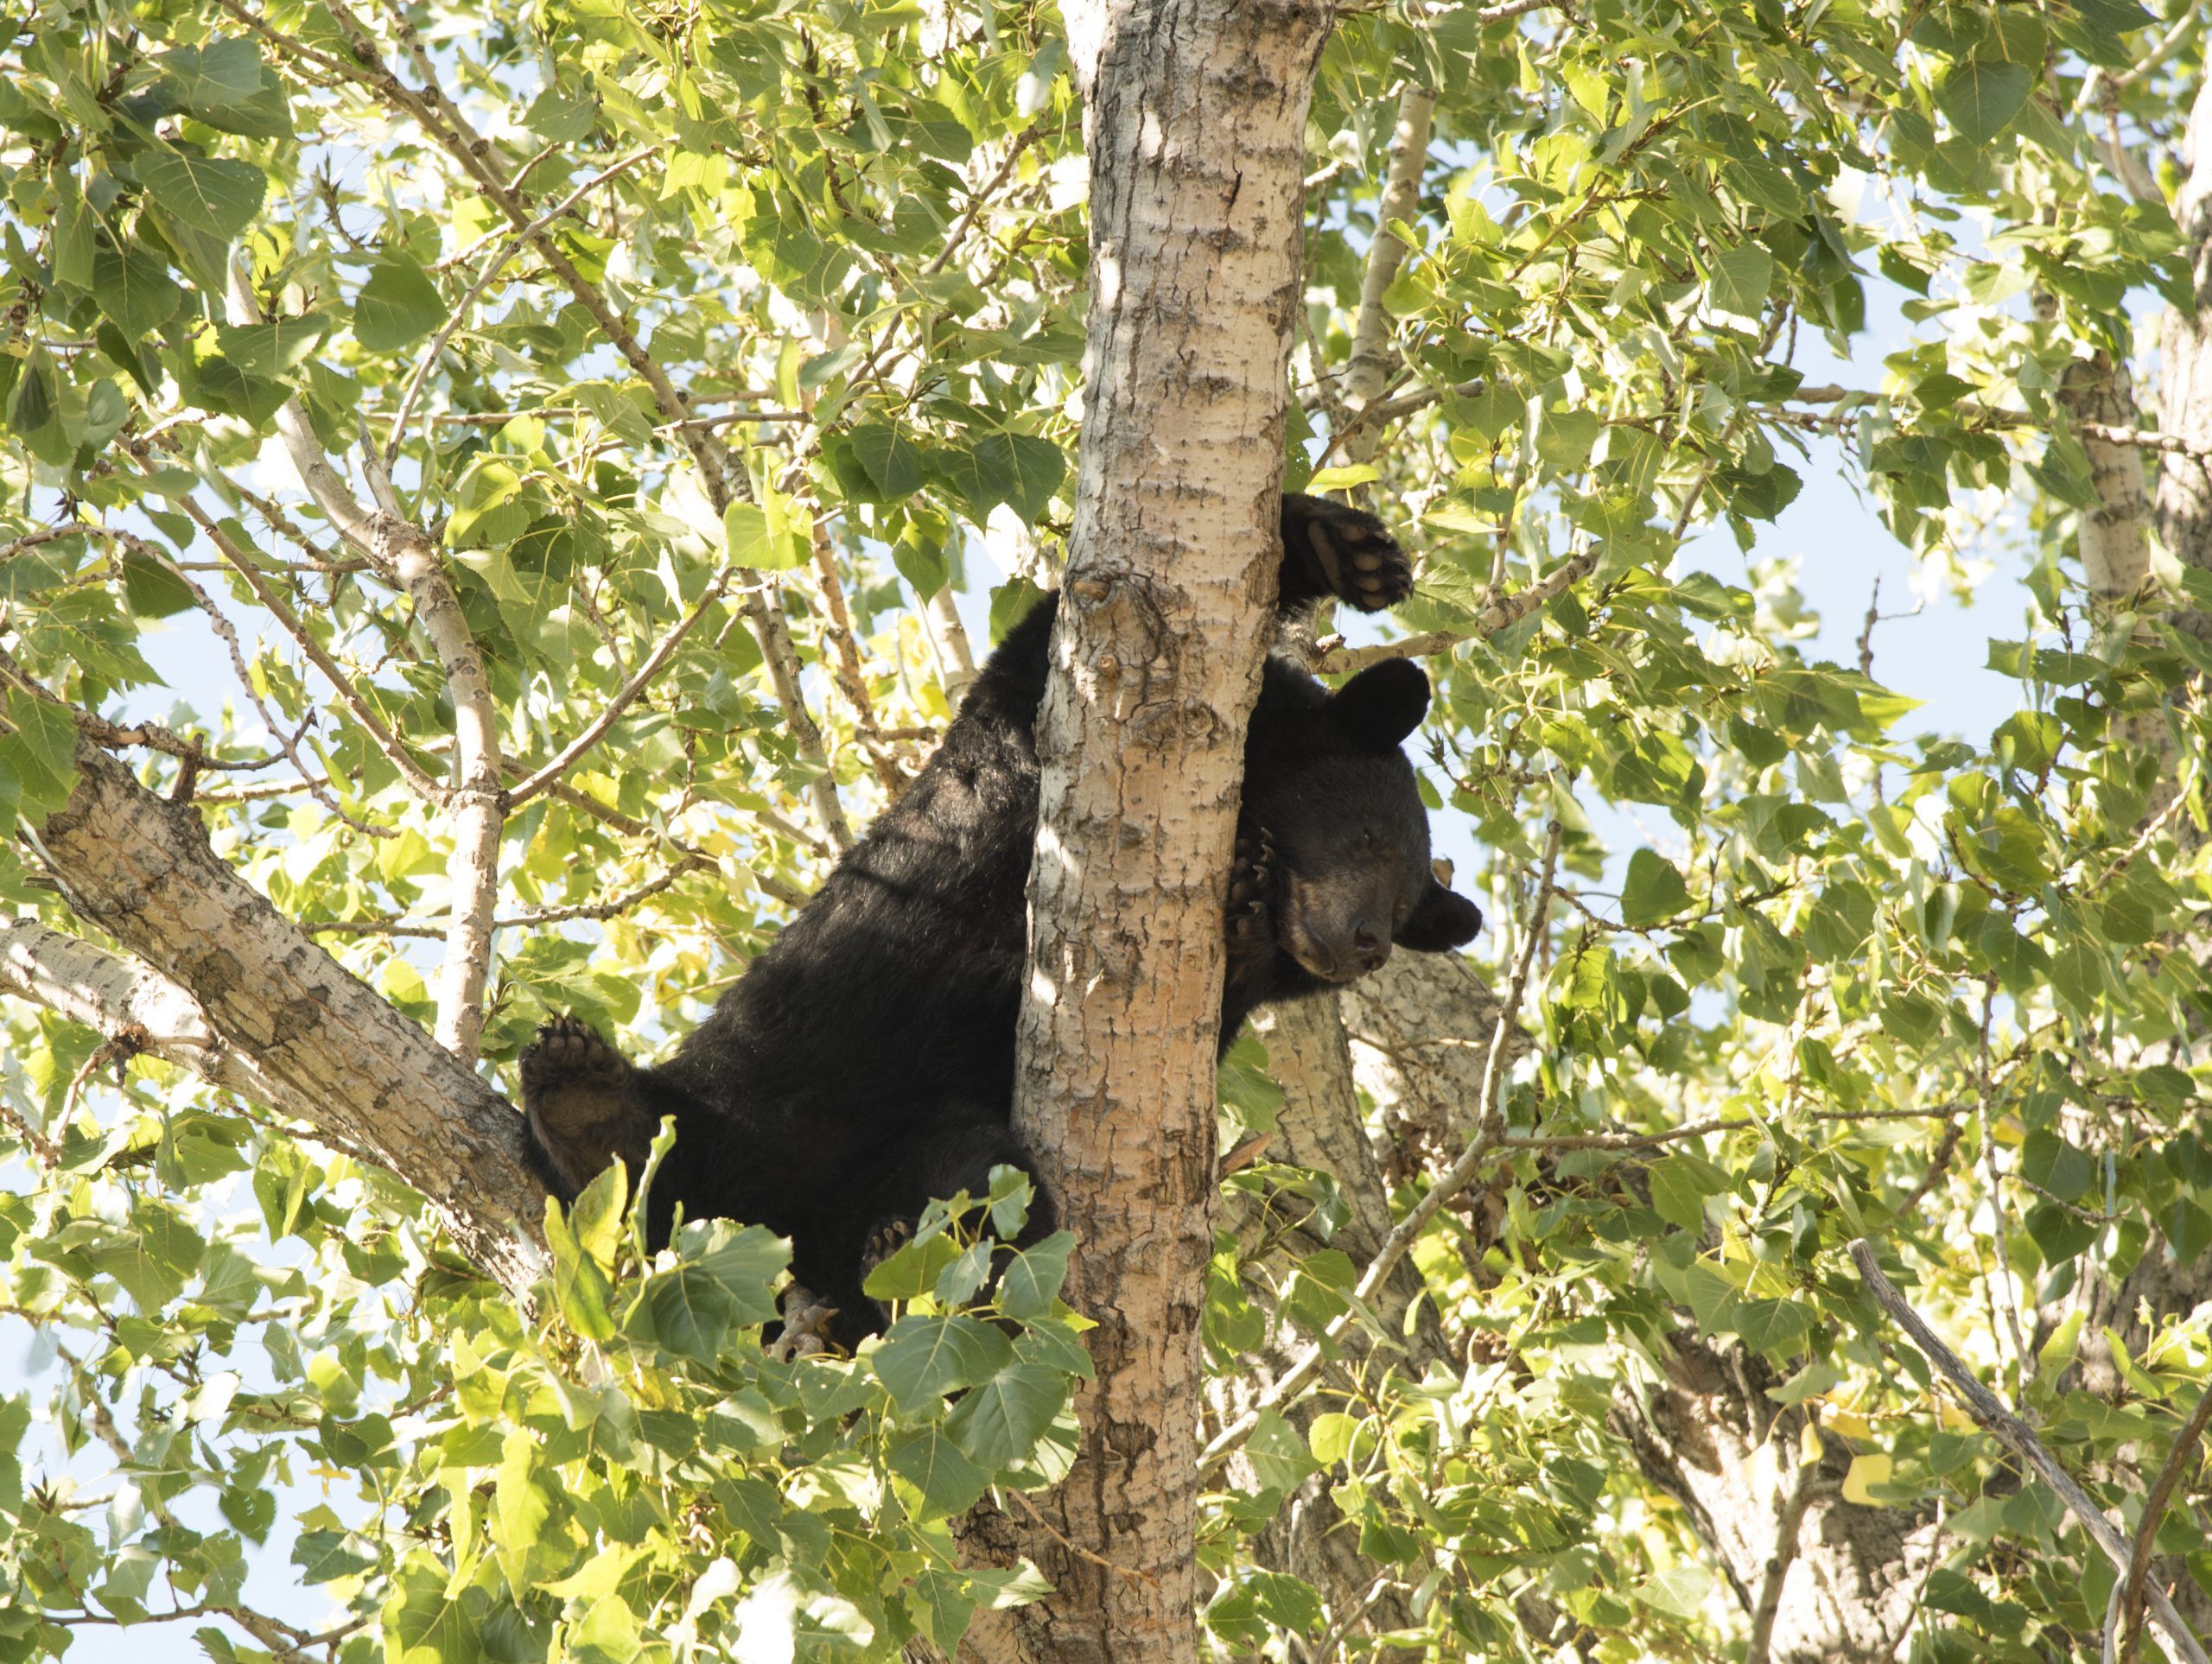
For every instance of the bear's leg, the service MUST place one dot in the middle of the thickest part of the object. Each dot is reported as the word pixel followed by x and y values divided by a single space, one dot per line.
pixel 931 1166
pixel 578 1104
pixel 1332 549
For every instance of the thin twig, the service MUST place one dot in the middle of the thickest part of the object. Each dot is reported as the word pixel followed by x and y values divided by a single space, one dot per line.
pixel 1132 1573
pixel 523 921
pixel 2126 1603
pixel 596 730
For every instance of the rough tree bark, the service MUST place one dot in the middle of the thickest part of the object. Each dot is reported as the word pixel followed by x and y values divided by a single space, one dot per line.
pixel 236 992
pixel 1194 119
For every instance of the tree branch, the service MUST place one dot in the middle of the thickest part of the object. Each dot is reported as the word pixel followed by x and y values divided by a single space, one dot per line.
pixel 279 1019
pixel 1500 614
pixel 2126 1603
pixel 2016 1435
pixel 1372 357
pixel 1788 1531
pixel 626 696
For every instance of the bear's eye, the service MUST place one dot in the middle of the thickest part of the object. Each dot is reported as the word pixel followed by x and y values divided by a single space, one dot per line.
pixel 1367 840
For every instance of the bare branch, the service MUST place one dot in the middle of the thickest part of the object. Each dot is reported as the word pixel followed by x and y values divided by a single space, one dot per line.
pixel 2016 1435
pixel 1500 614
pixel 2126 1603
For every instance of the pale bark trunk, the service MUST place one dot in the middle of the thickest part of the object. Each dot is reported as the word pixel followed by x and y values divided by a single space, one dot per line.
pixel 2184 495
pixel 1194 117
pixel 1373 357
pixel 267 1011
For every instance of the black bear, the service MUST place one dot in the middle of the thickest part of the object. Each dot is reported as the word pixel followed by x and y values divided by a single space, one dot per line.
pixel 864 1063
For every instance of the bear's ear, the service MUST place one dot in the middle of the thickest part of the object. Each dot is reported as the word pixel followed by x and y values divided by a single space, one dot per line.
pixel 1383 704
pixel 1441 919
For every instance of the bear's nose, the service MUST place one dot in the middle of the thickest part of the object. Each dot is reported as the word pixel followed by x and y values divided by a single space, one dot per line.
pixel 1371 947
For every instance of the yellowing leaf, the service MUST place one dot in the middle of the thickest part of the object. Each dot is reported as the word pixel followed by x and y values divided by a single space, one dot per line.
pixel 1866 1471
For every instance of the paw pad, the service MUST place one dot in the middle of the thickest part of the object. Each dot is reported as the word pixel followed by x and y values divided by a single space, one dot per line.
pixel 570 1052
pixel 1363 562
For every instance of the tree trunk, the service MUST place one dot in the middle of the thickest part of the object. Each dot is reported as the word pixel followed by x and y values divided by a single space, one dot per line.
pixel 1194 117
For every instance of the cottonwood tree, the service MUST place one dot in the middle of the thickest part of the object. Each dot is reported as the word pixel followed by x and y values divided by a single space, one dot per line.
pixel 558 460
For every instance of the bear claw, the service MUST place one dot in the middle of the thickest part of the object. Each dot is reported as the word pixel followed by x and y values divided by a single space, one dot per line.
pixel 568 1052
pixel 1249 882
pixel 883 1241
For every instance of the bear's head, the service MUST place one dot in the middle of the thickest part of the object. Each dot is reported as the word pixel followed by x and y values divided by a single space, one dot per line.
pixel 1339 809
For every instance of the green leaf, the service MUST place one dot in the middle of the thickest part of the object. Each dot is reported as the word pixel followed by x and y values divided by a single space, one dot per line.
pixel 1032 1280
pixel 275 348
pixel 722 1281
pixel 1741 280
pixel 154 1260
pixel 892 463
pixel 1279 1457
pixel 424 1623
pixel 1654 890
pixel 750 543
pixel 923 1358
pixel 396 306
pixel 1981 97
pixel 214 197
pixel 929 1459
pixel 1679 1185
pixel 999 1421
pixel 43 750
pixel 1680 1591
pixel 324 1556
pixel 215 76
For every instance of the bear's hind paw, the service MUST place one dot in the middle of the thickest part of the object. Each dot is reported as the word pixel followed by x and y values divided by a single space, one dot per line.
pixel 568 1052
pixel 809 1327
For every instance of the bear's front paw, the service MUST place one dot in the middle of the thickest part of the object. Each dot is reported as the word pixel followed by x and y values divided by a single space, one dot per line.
pixel 1250 887
pixel 1349 551
pixel 885 1240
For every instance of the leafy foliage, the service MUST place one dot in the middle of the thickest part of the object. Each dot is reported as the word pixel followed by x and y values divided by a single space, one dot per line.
pixel 753 319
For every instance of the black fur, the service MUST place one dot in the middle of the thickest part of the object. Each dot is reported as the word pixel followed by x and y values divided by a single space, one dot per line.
pixel 865 1063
